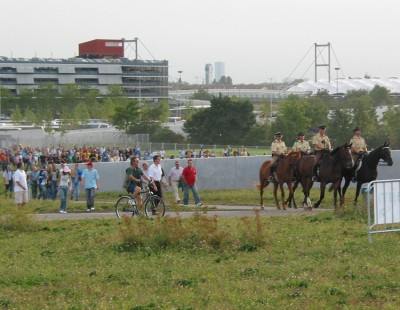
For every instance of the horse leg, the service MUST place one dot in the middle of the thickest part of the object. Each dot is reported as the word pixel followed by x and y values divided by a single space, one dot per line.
pixel 321 194
pixel 282 195
pixel 276 195
pixel 291 196
pixel 358 189
pixel 345 186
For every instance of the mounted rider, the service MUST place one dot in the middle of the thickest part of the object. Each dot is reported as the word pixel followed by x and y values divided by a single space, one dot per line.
pixel 301 145
pixel 358 149
pixel 278 150
pixel 322 144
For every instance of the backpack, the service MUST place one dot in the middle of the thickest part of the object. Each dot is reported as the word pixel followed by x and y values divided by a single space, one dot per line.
pixel 126 182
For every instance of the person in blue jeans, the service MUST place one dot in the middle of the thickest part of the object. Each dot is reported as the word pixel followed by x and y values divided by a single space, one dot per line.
pixel 53 177
pixel 90 178
pixel 189 176
pixel 76 177
pixel 64 186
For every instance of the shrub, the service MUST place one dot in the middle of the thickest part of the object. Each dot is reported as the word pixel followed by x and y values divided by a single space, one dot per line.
pixel 197 233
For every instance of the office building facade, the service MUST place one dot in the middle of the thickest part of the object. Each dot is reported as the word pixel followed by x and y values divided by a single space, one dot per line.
pixel 99 65
pixel 219 68
pixel 209 74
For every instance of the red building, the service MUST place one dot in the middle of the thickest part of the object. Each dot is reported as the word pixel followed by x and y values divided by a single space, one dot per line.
pixel 101 48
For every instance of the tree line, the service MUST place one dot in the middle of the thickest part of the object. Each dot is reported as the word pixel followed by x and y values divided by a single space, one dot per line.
pixel 228 121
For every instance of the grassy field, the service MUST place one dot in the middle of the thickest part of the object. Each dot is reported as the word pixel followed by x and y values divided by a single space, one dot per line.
pixel 319 261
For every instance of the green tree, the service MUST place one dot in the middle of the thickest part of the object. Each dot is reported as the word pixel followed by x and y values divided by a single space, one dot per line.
pixel 202 94
pixel 126 117
pixel 30 117
pixel 339 127
pixel 292 118
pixel 17 116
pixel 380 96
pixel 226 122
pixel 391 128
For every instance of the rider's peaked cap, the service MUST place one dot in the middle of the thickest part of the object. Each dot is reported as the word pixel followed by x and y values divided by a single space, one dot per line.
pixel 278 134
pixel 322 126
pixel 356 129
pixel 300 133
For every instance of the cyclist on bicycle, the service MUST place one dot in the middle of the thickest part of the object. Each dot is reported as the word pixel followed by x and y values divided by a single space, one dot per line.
pixel 135 174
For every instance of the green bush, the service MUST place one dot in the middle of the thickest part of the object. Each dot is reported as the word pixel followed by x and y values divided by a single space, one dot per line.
pixel 198 233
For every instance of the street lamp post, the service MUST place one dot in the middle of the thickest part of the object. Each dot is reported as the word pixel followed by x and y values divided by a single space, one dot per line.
pixel 337 79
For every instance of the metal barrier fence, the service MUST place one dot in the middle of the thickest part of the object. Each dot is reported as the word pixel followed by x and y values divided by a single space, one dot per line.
pixel 386 206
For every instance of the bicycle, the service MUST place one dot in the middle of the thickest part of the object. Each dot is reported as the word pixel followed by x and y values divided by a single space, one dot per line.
pixel 153 205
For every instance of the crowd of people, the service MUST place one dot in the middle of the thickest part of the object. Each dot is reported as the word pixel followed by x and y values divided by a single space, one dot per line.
pixel 46 180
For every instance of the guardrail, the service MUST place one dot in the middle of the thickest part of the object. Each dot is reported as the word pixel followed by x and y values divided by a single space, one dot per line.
pixel 386 206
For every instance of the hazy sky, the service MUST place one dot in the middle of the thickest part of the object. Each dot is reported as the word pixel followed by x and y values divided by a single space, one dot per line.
pixel 259 40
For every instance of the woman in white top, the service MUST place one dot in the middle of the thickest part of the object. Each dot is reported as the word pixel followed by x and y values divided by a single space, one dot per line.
pixel 64 187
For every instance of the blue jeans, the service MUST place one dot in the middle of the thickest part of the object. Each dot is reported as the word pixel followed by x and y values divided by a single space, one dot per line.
pixel 42 191
pixel 196 197
pixel 53 190
pixel 63 191
pixel 75 190
pixel 90 194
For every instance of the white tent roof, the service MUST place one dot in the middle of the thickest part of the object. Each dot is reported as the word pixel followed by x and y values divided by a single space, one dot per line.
pixel 344 85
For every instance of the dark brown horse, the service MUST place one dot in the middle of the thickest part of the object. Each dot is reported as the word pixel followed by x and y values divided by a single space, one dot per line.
pixel 284 174
pixel 303 173
pixel 331 169
pixel 368 171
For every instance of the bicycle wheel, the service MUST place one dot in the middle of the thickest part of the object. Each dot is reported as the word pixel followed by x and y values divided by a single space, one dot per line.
pixel 154 207
pixel 123 207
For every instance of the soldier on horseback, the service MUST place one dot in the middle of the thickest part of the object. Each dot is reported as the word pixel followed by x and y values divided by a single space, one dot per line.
pixel 358 149
pixel 321 145
pixel 301 145
pixel 278 149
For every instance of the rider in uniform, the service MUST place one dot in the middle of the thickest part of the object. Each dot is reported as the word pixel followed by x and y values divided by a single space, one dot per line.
pixel 321 144
pixel 301 145
pixel 278 149
pixel 358 148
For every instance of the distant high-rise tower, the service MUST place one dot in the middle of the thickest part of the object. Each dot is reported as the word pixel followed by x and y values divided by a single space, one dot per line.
pixel 219 70
pixel 209 74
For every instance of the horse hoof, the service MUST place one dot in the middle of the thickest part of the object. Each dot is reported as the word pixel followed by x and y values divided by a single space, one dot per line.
pixel 278 208
pixel 295 206
pixel 315 206
pixel 262 207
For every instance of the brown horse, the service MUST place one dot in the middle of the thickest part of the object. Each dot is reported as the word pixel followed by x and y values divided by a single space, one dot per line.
pixel 303 173
pixel 331 171
pixel 283 174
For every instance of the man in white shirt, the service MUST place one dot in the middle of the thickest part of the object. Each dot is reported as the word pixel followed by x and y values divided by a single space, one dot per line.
pixel 20 186
pixel 155 175
pixel 174 176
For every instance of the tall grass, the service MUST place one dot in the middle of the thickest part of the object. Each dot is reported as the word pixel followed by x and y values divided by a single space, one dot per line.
pixel 198 233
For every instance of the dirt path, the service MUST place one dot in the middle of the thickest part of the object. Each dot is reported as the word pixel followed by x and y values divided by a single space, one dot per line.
pixel 217 210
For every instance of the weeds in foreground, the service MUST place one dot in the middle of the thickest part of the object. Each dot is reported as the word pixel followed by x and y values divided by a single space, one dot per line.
pixel 198 233
pixel 18 219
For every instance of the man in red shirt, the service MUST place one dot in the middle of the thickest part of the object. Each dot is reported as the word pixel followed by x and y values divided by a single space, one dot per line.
pixel 189 176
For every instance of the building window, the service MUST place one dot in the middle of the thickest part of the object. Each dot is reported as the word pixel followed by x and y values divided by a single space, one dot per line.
pixel 48 70
pixel 45 80
pixel 8 81
pixel 87 81
pixel 8 70
pixel 86 70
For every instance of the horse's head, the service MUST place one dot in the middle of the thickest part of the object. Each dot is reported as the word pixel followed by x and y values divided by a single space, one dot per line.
pixel 344 153
pixel 293 157
pixel 385 154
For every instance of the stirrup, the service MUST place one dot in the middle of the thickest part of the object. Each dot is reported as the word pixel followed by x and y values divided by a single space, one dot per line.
pixel 314 178
pixel 270 178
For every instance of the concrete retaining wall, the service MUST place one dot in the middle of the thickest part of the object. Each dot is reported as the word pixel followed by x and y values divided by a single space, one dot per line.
pixel 218 173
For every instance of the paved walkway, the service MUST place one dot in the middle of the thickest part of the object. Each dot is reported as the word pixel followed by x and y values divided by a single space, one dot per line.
pixel 226 211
